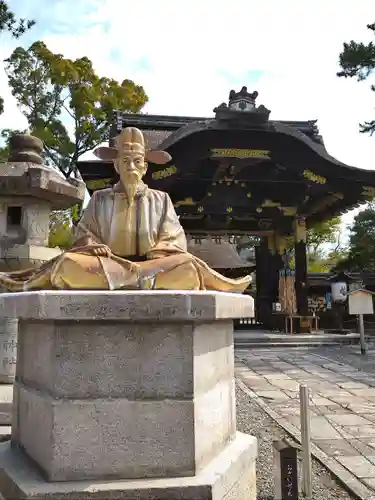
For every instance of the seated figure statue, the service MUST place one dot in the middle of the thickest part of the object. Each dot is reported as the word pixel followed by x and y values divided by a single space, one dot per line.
pixel 129 237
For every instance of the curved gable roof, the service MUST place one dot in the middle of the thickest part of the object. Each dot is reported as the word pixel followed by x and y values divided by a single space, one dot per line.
pixel 271 127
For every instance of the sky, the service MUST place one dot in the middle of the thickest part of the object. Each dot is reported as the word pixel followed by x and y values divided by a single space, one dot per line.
pixel 189 54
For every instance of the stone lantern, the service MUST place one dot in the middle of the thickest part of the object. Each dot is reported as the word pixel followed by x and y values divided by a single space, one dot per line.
pixel 29 191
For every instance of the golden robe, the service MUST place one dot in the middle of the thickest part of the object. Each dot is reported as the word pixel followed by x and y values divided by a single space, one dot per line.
pixel 145 241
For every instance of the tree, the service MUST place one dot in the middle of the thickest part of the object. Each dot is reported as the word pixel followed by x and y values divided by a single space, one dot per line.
pixel 358 60
pixel 4 153
pixel 16 27
pixel 361 252
pixel 60 229
pixel 320 235
pixel 323 233
pixel 56 94
pixel 324 263
pixel 9 21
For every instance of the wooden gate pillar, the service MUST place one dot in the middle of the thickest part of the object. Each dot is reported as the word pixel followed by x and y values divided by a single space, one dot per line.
pixel 301 266
pixel 264 282
pixel 276 245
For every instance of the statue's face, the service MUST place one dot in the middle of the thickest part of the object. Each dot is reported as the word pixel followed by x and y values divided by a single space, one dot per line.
pixel 131 167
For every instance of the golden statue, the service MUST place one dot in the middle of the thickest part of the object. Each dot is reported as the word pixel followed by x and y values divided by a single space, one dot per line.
pixel 129 237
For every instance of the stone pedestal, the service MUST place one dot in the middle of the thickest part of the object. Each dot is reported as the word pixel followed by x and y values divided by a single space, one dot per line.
pixel 124 395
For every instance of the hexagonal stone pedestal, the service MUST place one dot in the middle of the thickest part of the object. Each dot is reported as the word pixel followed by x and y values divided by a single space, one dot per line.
pixel 134 389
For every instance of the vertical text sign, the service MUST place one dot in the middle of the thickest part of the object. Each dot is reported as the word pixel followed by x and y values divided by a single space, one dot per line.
pixel 286 473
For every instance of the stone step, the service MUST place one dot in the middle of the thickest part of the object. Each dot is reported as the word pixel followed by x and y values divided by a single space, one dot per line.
pixel 266 339
pixel 263 345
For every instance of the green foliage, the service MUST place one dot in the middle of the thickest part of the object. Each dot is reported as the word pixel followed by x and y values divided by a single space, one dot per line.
pixel 9 22
pixel 358 60
pixel 323 233
pixel 316 264
pixel 3 154
pixel 61 230
pixel 16 27
pixel 361 253
pixel 56 94
pixel 320 263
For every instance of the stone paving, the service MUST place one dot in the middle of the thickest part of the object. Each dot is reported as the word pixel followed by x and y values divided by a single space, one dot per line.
pixel 342 402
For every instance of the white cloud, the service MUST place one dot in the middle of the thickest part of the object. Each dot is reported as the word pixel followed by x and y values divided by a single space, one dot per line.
pixel 189 54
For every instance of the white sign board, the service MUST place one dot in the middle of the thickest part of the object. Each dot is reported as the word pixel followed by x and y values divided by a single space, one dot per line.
pixel 360 302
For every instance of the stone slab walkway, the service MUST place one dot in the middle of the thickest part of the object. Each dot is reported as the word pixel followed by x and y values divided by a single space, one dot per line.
pixel 342 403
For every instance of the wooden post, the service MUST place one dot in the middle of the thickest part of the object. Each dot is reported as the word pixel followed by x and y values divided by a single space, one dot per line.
pixel 306 441
pixel 280 247
pixel 362 334
pixel 258 282
pixel 274 265
pixel 263 300
pixel 301 266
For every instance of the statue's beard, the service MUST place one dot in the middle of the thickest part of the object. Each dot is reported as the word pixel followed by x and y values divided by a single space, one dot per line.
pixel 131 181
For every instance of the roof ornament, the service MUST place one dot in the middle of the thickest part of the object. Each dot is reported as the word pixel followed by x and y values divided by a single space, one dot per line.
pixel 242 100
pixel 242 107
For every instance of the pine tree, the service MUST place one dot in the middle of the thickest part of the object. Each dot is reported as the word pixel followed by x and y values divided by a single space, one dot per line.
pixel 358 60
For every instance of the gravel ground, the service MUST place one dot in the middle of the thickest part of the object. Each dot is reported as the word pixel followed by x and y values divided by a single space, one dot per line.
pixel 253 420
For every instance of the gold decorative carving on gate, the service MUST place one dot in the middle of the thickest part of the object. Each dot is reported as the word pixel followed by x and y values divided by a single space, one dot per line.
pixel 239 153
pixel 270 204
pixel 288 211
pixel 98 184
pixel 185 202
pixel 318 179
pixel 166 172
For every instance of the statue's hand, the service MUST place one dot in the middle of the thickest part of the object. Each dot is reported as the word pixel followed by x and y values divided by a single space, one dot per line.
pixel 102 251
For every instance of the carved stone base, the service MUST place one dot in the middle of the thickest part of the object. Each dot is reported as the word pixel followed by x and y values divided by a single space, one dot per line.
pixel 230 476
pixel 131 385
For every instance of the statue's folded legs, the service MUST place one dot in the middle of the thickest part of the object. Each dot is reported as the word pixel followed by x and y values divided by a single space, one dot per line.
pixel 175 272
